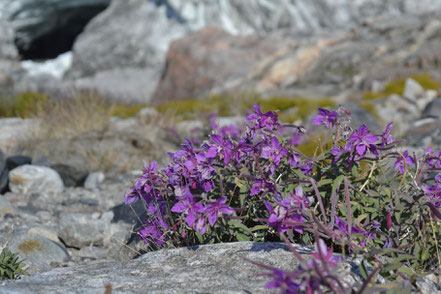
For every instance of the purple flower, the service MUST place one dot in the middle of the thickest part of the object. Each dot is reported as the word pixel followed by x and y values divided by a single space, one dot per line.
pixel 189 206
pixel 154 231
pixel 328 259
pixel 131 195
pixel 288 212
pixel 386 137
pixel 267 120
pixel 433 194
pixel 325 117
pixel 338 152
pixel 342 226
pixel 284 281
pixel 403 161
pixel 216 209
pixel 274 151
pixel 362 140
pixel 201 225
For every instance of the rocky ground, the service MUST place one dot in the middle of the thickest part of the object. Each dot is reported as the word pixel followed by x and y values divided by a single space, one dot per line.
pixel 61 196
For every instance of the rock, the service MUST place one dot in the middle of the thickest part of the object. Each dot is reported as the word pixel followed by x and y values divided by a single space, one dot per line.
pixel 413 90
pixel 44 28
pixel 7 47
pixel 3 173
pixel 397 109
pixel 17 160
pixel 218 268
pixel 71 176
pixel 208 59
pixel 148 115
pixel 94 180
pixel 6 207
pixel 122 85
pixel 14 131
pixel 132 69
pixel 38 252
pixel 35 179
pixel 432 109
pixel 80 230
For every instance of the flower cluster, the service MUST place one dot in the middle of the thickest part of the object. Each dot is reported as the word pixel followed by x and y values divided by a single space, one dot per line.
pixel 253 183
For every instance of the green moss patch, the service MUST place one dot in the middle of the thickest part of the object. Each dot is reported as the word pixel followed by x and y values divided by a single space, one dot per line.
pixel 30 246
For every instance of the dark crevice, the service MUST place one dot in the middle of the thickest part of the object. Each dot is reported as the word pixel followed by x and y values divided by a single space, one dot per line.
pixel 69 24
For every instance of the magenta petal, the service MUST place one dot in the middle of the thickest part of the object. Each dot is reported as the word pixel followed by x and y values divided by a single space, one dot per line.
pixel 212 217
pixel 370 138
pixel 211 153
pixel 190 217
pixel 361 149
pixel 179 207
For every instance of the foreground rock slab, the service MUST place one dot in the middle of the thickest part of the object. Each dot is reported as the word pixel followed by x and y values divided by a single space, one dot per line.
pixel 218 268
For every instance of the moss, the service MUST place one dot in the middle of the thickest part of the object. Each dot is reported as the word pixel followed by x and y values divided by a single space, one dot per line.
pixel 6 106
pixel 425 80
pixel 239 103
pixel 397 86
pixel 314 145
pixel 126 111
pixel 24 105
pixel 30 246
pixel 28 104
pixel 373 95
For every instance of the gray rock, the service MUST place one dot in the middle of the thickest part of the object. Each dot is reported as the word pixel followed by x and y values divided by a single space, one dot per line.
pixel 3 173
pixel 46 28
pixel 148 115
pixel 412 90
pixel 433 109
pixel 17 160
pixel 80 230
pixel 13 131
pixel 71 176
pixel 37 251
pixel 6 207
pixel 94 180
pixel 7 47
pixel 35 179
pixel 219 268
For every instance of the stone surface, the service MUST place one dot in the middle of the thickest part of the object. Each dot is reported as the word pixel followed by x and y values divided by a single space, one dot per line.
pixel 38 251
pixel 94 180
pixel 80 230
pixel 219 268
pixel 3 173
pixel 46 28
pixel 17 160
pixel 433 109
pixel 71 176
pixel 412 90
pixel 6 207
pixel 14 131
pixel 35 179
pixel 209 59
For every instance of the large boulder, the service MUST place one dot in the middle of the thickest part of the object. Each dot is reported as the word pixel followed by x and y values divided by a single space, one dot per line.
pixel 138 33
pixel 209 59
pixel 35 179
pixel 219 268
pixel 46 28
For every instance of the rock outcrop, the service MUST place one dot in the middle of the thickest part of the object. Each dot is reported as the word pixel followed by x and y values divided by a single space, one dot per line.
pixel 46 28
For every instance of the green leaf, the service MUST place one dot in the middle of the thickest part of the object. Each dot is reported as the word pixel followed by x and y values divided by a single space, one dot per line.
pixel 406 270
pixel 363 270
pixel 241 237
pixel 237 224
pixel 259 227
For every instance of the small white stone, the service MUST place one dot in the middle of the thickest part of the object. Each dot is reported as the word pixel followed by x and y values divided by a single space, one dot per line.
pixel 35 179
pixel 94 180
